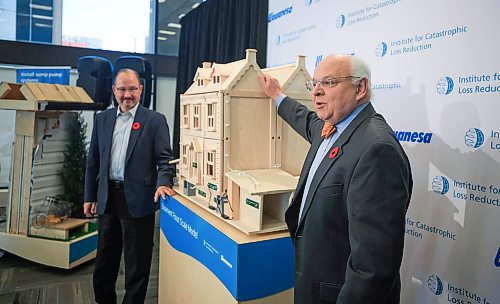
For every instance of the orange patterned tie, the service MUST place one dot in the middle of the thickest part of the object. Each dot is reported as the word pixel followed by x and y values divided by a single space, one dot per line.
pixel 328 130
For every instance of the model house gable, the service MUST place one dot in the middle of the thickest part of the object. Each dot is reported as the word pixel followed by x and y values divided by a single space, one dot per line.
pixel 291 148
pixel 292 78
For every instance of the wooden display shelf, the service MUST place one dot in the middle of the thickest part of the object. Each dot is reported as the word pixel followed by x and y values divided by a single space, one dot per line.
pixel 265 209
pixel 62 230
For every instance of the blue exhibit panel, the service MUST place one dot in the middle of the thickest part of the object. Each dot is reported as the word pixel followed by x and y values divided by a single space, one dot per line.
pixel 82 248
pixel 265 268
pixel 249 271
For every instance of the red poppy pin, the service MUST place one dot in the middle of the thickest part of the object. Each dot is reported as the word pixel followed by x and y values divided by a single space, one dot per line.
pixel 334 152
pixel 136 126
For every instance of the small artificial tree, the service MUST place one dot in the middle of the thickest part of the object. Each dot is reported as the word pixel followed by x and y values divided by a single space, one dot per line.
pixel 73 171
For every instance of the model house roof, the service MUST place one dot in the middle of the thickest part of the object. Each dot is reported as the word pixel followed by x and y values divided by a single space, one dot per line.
pixel 229 73
pixel 290 75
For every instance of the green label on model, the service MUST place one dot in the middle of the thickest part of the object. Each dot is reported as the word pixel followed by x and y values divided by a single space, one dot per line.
pixel 212 186
pixel 202 193
pixel 195 165
pixel 252 203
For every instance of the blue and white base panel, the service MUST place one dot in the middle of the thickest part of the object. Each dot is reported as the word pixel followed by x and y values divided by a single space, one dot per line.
pixel 198 260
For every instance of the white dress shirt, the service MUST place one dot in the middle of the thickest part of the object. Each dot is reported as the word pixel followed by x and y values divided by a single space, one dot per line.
pixel 121 136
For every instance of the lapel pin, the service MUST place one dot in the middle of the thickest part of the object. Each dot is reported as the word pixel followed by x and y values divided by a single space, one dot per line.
pixel 136 126
pixel 334 152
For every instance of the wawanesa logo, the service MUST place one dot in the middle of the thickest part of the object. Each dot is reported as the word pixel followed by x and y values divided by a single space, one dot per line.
pixel 445 85
pixel 418 137
pixel 440 184
pixel 474 138
pixel 273 16
pixel 435 284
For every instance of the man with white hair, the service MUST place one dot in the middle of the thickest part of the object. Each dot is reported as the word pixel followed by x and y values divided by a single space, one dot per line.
pixel 347 218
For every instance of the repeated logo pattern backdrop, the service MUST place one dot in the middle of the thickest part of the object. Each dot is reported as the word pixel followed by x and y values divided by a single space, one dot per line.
pixel 436 79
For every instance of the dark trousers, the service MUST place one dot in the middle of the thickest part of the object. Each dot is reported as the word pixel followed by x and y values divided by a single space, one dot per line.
pixel 119 231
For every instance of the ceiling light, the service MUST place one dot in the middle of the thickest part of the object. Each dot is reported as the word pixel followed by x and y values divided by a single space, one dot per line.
pixel 195 5
pixel 161 1
pixel 166 32
pixel 41 7
pixel 181 15
pixel 161 38
pixel 43 25
pixel 42 17
pixel 175 25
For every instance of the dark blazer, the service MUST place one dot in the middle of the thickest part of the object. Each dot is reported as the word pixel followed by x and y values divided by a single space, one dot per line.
pixel 349 241
pixel 146 163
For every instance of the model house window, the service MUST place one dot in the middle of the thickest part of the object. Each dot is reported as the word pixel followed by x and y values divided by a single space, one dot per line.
pixel 196 117
pixel 216 79
pixel 210 164
pixel 211 116
pixel 185 116
pixel 185 155
pixel 200 82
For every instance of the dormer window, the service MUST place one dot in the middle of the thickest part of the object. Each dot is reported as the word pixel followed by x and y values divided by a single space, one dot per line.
pixel 216 79
pixel 200 82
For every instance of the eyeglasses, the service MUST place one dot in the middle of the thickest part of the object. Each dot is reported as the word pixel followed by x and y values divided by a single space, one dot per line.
pixel 329 82
pixel 125 90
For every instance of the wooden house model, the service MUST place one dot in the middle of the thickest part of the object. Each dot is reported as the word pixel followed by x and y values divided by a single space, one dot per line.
pixel 237 157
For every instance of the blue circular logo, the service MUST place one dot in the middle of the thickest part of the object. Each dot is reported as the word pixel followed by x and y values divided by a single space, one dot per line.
pixel 444 85
pixel 474 138
pixel 435 284
pixel 381 49
pixel 440 185
pixel 340 21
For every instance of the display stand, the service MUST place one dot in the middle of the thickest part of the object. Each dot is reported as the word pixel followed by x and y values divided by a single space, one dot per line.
pixel 205 260
pixel 35 162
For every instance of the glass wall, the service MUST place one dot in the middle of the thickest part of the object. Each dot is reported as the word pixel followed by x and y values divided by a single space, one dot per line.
pixel 117 25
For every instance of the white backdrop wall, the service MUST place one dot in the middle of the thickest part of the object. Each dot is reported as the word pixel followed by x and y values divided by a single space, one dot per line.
pixel 436 79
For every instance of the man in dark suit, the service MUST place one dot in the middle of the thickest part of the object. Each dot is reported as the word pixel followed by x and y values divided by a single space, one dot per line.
pixel 347 218
pixel 127 170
